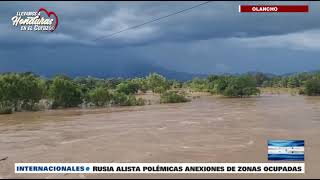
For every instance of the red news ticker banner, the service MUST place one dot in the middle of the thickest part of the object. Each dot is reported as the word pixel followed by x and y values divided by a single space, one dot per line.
pixel 273 8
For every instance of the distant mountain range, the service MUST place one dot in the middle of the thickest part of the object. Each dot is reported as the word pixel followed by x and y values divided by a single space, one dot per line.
pixel 125 69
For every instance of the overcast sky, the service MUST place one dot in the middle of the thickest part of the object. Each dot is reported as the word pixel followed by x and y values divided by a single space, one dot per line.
pixel 213 38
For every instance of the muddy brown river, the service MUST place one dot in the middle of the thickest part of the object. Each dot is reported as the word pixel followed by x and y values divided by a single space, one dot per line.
pixel 208 129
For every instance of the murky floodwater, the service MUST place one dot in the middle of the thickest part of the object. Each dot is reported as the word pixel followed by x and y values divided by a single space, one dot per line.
pixel 208 129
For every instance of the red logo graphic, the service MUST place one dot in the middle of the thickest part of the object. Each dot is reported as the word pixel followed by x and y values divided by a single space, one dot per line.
pixel 49 14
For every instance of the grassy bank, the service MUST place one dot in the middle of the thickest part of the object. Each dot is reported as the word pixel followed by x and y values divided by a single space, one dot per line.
pixel 273 90
pixel 6 110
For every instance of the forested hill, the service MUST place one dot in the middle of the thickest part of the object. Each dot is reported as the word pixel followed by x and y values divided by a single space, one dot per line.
pixel 115 70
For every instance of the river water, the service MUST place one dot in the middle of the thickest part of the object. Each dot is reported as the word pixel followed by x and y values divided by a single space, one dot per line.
pixel 208 129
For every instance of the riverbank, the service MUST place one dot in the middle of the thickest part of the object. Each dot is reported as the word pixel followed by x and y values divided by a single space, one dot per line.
pixel 151 98
pixel 271 90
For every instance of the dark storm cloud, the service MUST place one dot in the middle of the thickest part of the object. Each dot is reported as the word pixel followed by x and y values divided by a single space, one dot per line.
pixel 213 38
pixel 86 21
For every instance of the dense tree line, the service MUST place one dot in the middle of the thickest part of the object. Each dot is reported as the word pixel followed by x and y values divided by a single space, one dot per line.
pixel 23 91
pixel 244 85
pixel 307 83
pixel 231 86
pixel 20 91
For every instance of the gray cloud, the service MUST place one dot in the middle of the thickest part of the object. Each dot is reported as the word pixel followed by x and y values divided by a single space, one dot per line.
pixel 213 38
pixel 91 20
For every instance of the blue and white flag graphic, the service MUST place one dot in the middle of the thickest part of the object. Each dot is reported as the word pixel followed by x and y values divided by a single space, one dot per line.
pixel 286 150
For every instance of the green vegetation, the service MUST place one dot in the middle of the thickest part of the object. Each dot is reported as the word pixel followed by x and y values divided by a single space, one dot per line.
pixel 172 97
pixel 142 84
pixel 4 109
pixel 312 87
pixel 306 83
pixel 242 86
pixel 199 85
pixel 122 99
pixel 64 92
pixel 157 83
pixel 174 84
pixel 230 86
pixel 23 91
pixel 128 87
pixel 20 91
pixel 100 96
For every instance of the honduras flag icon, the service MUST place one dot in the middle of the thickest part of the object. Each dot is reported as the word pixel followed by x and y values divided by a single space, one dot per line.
pixel 286 150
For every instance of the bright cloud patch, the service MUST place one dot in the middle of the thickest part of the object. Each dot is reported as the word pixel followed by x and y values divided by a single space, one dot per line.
pixel 307 40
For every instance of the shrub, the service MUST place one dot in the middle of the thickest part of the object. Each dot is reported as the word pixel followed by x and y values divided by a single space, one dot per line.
pixel 119 98
pixel 172 97
pixel 220 85
pixel 199 85
pixel 65 93
pixel 242 86
pixel 142 84
pixel 159 89
pixel 157 83
pixel 128 87
pixel 301 92
pixel 5 110
pixel 139 102
pixel 21 90
pixel 122 99
pixel 100 96
pixel 312 87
